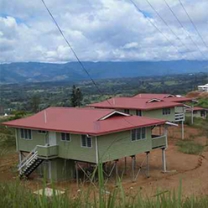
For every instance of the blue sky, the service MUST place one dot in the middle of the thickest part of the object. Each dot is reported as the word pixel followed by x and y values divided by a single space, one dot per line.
pixel 102 30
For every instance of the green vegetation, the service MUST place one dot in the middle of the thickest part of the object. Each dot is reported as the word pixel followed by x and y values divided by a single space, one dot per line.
pixel 203 102
pixel 7 139
pixel 31 97
pixel 190 147
pixel 16 195
pixel 76 97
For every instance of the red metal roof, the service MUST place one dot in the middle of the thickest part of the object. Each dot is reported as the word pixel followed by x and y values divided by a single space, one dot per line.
pixel 82 121
pixel 196 109
pixel 151 96
pixel 134 103
pixel 165 97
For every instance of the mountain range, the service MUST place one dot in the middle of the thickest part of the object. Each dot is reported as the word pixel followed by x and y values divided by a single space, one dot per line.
pixel 72 71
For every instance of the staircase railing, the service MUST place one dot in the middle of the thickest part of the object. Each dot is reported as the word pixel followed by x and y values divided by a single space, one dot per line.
pixel 28 158
pixel 179 117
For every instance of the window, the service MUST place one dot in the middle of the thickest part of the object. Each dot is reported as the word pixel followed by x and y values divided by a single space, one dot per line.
pixel 126 111
pixel 41 132
pixel 86 141
pixel 137 134
pixel 25 133
pixel 166 111
pixel 138 112
pixel 65 137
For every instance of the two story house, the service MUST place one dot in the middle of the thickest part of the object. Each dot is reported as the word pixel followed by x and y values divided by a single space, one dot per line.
pixel 159 106
pixel 57 138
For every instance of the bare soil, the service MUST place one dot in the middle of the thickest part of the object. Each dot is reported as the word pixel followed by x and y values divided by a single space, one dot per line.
pixel 191 170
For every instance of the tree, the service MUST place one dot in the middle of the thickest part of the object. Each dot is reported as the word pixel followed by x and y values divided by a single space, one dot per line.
pixel 34 103
pixel 76 97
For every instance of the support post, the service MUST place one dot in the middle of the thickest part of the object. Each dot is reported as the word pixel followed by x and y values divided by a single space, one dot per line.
pixel 182 130
pixel 147 155
pixel 166 137
pixel 77 174
pixel 133 167
pixel 192 114
pixel 20 157
pixel 125 166
pixel 164 160
pixel 116 168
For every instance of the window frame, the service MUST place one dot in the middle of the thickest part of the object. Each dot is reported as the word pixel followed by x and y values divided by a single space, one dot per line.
pixel 139 113
pixel 65 135
pixel 127 111
pixel 42 132
pixel 166 111
pixel 86 139
pixel 139 134
pixel 26 134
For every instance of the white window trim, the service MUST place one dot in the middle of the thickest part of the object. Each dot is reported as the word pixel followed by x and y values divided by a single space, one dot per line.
pixel 26 129
pixel 165 109
pixel 86 143
pixel 136 140
pixel 65 139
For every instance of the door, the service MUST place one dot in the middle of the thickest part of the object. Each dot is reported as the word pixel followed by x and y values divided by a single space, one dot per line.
pixel 52 138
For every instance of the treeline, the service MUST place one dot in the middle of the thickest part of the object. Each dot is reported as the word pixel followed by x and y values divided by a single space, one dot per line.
pixel 33 97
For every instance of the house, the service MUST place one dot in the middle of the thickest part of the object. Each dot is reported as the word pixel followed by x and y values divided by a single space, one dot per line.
pixel 166 97
pixel 188 102
pixel 203 88
pixel 58 138
pixel 198 112
pixel 149 107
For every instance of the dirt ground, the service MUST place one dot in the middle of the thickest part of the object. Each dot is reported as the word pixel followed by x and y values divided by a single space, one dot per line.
pixel 191 170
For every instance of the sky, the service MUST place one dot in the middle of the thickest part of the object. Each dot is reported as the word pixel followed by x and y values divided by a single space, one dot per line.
pixel 102 30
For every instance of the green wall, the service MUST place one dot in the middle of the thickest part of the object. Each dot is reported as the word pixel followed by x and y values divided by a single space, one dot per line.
pixel 119 145
pixel 57 169
pixel 179 109
pixel 73 149
pixel 28 144
pixel 62 169
pixel 159 114
pixel 196 114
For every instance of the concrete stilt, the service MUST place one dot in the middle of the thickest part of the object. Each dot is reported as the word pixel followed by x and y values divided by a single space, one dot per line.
pixel 192 114
pixel 20 157
pixel 164 161
pixel 77 174
pixel 147 155
pixel 125 166
pixel 133 168
pixel 182 129
pixel 116 168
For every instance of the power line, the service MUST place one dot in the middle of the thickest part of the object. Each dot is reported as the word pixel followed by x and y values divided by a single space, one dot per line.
pixel 79 61
pixel 154 25
pixel 158 14
pixel 181 25
pixel 193 23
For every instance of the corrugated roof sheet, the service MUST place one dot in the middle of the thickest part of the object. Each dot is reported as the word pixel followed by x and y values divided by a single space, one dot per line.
pixel 134 103
pixel 165 97
pixel 82 121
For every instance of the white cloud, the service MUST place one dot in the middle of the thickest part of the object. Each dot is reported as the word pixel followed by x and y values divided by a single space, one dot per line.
pixel 100 30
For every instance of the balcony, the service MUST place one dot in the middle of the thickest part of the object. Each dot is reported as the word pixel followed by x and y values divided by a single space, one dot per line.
pixel 179 117
pixel 47 151
pixel 158 141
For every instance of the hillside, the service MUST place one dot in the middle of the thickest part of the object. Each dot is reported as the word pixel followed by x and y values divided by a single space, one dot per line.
pixel 41 72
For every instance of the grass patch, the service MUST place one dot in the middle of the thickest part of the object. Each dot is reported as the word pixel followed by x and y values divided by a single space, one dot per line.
pixel 15 195
pixel 190 147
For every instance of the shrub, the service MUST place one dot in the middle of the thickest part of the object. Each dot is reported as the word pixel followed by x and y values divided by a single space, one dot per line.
pixel 190 147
